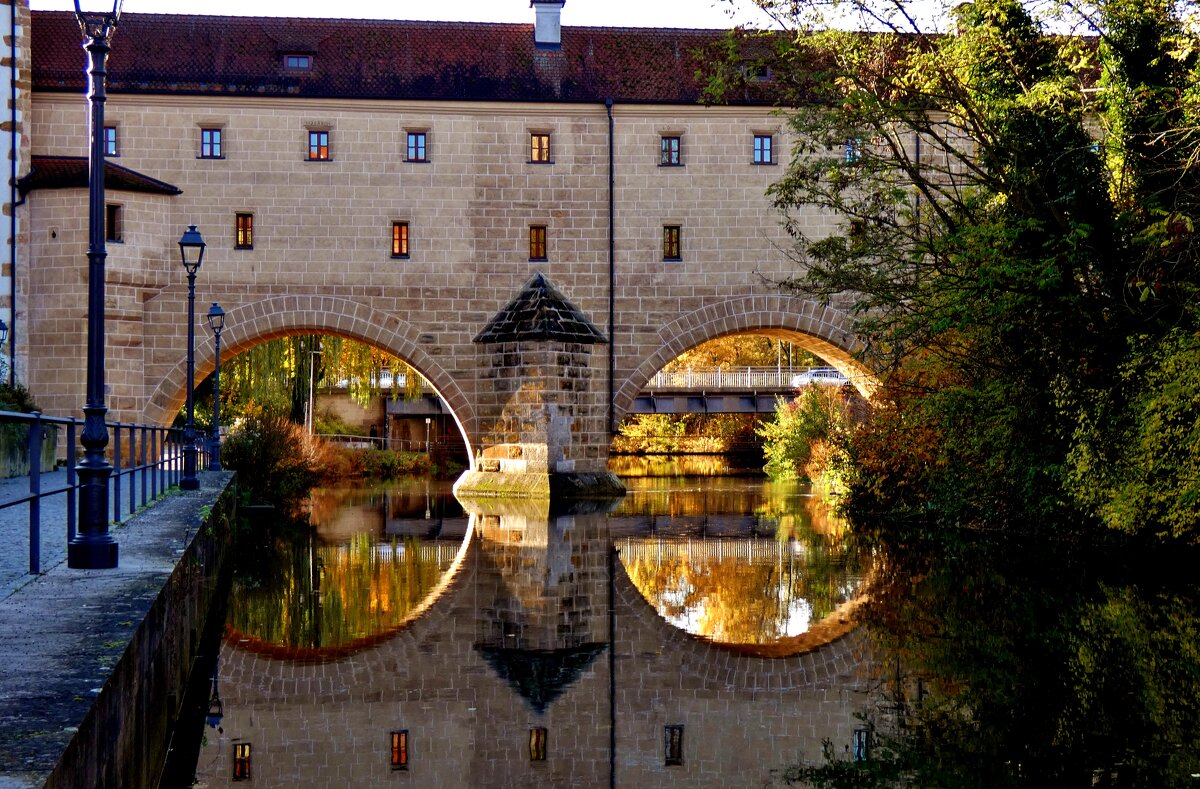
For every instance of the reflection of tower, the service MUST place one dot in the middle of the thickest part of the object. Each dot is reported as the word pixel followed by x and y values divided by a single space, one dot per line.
pixel 545 580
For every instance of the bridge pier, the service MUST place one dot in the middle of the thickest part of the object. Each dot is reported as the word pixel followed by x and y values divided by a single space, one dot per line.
pixel 540 408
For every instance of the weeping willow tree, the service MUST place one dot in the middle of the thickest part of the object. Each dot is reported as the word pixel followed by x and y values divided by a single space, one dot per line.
pixel 277 376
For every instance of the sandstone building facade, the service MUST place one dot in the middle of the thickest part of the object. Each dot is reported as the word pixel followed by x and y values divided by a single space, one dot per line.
pixel 398 183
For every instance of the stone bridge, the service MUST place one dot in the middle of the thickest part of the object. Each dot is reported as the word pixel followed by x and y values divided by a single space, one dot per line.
pixel 653 248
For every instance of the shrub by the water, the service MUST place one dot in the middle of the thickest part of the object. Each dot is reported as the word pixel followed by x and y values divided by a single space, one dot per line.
pixel 276 461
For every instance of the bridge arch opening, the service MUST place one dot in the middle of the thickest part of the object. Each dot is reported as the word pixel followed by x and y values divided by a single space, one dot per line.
pixel 253 324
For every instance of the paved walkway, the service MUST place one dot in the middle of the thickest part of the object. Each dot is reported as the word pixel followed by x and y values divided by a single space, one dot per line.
pixel 63 632
pixel 14 527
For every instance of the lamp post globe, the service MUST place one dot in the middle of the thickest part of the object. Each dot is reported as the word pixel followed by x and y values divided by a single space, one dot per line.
pixel 191 251
pixel 93 547
pixel 216 322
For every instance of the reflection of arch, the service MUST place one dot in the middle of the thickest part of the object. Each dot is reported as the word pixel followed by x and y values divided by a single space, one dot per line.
pixel 436 605
pixel 819 329
pixel 835 647
pixel 251 324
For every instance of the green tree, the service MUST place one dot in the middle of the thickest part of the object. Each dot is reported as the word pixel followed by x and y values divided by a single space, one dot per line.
pixel 1017 244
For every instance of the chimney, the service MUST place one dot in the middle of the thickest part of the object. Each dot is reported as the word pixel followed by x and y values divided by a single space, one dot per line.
pixel 547 29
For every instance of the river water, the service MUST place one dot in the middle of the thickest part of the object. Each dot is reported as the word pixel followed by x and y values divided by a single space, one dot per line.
pixel 707 630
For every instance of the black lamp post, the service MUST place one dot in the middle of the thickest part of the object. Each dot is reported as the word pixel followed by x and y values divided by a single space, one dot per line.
pixel 4 339
pixel 191 250
pixel 93 548
pixel 216 322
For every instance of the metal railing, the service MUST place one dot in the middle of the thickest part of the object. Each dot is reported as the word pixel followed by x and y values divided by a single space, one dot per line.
pixel 729 378
pixel 146 461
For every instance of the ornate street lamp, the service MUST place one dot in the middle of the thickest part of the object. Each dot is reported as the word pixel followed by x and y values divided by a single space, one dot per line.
pixel 191 250
pixel 216 322
pixel 93 548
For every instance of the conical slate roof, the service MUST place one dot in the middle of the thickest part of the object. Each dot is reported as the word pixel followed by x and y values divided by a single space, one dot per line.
pixel 540 312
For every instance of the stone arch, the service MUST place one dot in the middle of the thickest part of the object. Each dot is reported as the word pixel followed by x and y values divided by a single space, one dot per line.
pixel 820 329
pixel 250 324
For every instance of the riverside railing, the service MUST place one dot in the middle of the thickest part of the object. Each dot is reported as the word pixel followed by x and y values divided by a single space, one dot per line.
pixel 728 378
pixel 147 460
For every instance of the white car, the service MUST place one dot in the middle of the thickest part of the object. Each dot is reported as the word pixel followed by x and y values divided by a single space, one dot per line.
pixel 825 376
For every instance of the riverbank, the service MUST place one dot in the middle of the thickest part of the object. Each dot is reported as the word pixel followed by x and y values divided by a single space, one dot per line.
pixel 93 662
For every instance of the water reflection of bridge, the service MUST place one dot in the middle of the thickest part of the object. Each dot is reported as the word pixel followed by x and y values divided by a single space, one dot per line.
pixel 642 549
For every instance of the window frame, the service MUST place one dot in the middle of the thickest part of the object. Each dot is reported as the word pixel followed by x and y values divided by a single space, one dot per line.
pixel 538 743
pixel 243 230
pixel 854 150
pixel 399 749
pixel 241 761
pixel 670 150
pixel 297 61
pixel 538 242
pixel 401 240
pixel 673 745
pixel 540 154
pixel 421 149
pixel 215 144
pixel 764 148
pixel 672 241
pixel 113 224
pixel 110 141
pixel 318 145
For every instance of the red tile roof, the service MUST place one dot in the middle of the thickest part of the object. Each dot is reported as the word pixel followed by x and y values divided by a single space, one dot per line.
pixel 377 59
pixel 71 172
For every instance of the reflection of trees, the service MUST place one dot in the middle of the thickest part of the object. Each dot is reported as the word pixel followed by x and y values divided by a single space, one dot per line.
pixel 331 595
pixel 1012 664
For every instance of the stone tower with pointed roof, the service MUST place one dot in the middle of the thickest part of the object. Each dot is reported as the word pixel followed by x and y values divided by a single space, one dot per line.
pixel 542 420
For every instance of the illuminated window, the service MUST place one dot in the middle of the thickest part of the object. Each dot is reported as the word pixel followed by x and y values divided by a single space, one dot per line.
pixel 673 745
pixel 416 147
pixel 400 749
pixel 318 146
pixel 298 62
pixel 672 246
pixel 112 222
pixel 210 144
pixel 244 231
pixel 539 147
pixel 537 744
pixel 537 242
pixel 110 141
pixel 763 144
pixel 399 239
pixel 241 761
pixel 670 156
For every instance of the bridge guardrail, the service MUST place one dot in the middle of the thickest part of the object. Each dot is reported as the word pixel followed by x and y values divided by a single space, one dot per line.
pixel 728 378
pixel 146 461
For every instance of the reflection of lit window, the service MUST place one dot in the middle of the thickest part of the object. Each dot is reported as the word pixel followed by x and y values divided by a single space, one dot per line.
pixel 673 745
pixel 399 239
pixel 537 242
pixel 400 749
pixel 862 745
pixel 318 146
pixel 243 231
pixel 537 744
pixel 241 761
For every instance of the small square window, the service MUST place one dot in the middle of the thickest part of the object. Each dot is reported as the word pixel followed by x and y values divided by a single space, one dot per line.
pixel 537 242
pixel 210 144
pixel 672 242
pixel 670 153
pixel 537 744
pixel 399 239
pixel 539 147
pixel 241 761
pixel 112 223
pixel 244 231
pixel 297 62
pixel 400 749
pixel 318 146
pixel 673 745
pixel 110 141
pixel 416 147
pixel 764 149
